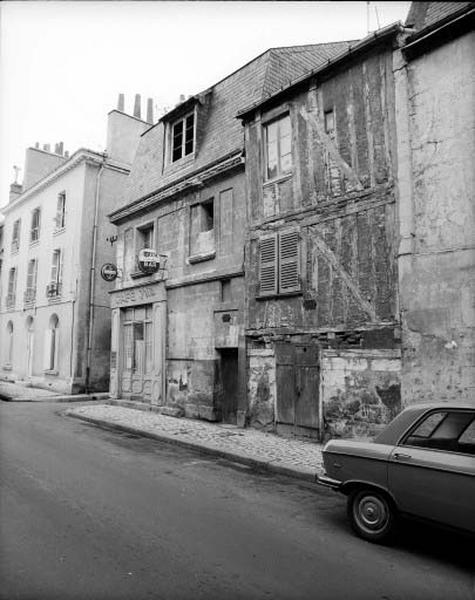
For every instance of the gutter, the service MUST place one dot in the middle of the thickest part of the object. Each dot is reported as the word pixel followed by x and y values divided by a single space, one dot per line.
pixel 359 47
pixel 442 32
pixel 92 274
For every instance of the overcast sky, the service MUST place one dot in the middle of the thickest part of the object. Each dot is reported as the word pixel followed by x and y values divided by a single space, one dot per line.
pixel 62 64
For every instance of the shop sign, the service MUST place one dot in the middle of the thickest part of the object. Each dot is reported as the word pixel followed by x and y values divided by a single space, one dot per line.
pixel 109 272
pixel 148 261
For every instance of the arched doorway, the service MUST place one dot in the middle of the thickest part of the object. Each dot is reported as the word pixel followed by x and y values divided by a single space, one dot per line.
pixel 30 333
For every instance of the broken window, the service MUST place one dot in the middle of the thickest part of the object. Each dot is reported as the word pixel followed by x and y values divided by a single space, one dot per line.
pixel 202 239
pixel 35 225
pixel 279 263
pixel 278 147
pixel 183 137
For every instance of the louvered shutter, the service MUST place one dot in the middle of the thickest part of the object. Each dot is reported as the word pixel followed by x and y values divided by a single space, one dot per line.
pixel 289 259
pixel 268 265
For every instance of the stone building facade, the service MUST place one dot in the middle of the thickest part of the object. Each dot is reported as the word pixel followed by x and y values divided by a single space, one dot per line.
pixel 178 335
pixel 322 315
pixel 55 314
pixel 435 82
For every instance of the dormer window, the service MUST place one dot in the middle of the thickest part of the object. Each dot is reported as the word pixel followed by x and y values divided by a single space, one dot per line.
pixel 183 137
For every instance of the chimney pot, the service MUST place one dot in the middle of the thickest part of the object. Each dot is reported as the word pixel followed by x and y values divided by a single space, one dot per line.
pixel 37 145
pixel 182 98
pixel 60 148
pixel 46 147
pixel 137 106
pixel 120 103
pixel 150 110
pixel 66 154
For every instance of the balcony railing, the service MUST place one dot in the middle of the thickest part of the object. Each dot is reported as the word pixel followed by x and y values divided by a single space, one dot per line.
pixel 10 301
pixel 29 296
pixel 53 289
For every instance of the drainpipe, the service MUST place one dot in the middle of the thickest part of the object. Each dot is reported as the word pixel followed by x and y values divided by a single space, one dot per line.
pixel 92 274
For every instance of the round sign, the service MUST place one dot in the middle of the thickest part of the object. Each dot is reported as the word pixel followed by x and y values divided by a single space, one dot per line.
pixel 109 272
pixel 148 261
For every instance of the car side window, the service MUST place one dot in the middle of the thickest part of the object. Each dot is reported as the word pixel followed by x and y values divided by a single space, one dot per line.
pixel 441 431
pixel 466 441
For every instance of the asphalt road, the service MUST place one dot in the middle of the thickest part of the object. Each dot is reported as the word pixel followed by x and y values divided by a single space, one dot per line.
pixel 93 514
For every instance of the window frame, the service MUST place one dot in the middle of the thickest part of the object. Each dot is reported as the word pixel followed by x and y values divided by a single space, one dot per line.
pixel 35 238
pixel 171 137
pixel 266 124
pixel 16 236
pixel 277 274
pixel 423 418
pixel 194 253
pixel 60 211
pixel 11 286
pixel 31 280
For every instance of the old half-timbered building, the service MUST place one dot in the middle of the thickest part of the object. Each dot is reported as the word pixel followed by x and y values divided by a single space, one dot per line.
pixel 178 334
pixel 322 324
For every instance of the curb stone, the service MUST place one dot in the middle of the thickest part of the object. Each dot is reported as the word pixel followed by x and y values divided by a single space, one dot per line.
pixel 262 465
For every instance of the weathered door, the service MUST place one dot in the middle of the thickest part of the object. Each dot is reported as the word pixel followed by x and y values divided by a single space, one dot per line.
pixel 229 381
pixel 297 385
pixel 138 353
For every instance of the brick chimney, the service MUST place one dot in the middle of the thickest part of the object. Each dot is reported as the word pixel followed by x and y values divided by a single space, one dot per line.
pixel 39 163
pixel 137 106
pixel 150 111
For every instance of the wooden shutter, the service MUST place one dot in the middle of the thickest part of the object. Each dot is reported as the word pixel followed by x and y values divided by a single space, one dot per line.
pixel 268 265
pixel 289 259
pixel 30 275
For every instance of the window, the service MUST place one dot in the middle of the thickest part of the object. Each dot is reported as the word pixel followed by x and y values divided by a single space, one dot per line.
pixel 202 241
pixel 31 277
pixel 51 349
pixel 35 225
pixel 16 235
pixel 279 263
pixel 138 339
pixel 226 290
pixel 183 137
pixel 9 342
pixel 54 287
pixel 330 123
pixel 60 219
pixel 278 147
pixel 444 430
pixel 11 294
pixel 145 237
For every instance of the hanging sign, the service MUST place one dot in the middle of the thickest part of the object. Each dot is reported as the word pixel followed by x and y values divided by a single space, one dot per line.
pixel 109 272
pixel 149 261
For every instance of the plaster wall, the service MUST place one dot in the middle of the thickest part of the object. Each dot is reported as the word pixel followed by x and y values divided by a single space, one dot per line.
pixel 360 390
pixel 437 272
pixel 64 306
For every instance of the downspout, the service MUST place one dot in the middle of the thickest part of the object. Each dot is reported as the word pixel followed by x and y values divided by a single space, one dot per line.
pixel 92 275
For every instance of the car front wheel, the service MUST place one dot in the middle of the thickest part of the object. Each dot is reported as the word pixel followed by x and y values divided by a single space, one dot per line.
pixel 371 515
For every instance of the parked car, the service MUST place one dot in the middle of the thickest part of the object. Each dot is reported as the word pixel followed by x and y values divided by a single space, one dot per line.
pixel 422 464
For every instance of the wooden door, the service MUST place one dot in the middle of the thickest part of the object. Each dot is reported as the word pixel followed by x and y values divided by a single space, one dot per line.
pixel 229 382
pixel 297 380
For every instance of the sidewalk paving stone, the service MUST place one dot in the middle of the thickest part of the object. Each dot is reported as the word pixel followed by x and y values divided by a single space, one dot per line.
pixel 294 457
pixel 18 392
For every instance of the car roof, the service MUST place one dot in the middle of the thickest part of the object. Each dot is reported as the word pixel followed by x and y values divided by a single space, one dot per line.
pixel 392 433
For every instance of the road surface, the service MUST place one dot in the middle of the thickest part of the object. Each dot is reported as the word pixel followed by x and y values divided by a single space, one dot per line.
pixel 93 514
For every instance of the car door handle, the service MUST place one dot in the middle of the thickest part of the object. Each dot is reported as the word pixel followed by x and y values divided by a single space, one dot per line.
pixel 402 456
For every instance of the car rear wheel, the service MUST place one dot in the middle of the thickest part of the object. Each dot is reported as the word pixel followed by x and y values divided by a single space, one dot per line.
pixel 371 514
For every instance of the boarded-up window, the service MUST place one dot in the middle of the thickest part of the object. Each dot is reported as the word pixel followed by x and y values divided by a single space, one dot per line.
pixel 202 234
pixel 279 263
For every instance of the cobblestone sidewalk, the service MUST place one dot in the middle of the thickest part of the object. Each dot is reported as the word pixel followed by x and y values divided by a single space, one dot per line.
pixel 17 392
pixel 297 458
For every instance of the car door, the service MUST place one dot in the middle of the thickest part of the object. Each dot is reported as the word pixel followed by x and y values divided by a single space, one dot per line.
pixel 431 472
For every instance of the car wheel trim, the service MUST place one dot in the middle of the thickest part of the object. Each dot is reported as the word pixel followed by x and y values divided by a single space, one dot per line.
pixel 371 513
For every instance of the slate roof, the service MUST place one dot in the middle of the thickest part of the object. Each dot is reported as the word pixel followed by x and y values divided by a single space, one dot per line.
pixel 222 132
pixel 425 15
